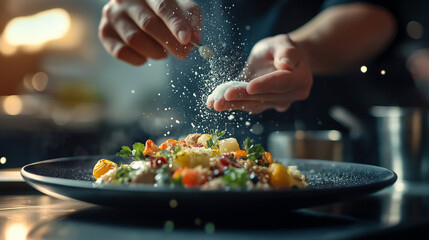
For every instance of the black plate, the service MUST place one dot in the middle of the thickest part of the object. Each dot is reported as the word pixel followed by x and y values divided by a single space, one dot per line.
pixel 328 182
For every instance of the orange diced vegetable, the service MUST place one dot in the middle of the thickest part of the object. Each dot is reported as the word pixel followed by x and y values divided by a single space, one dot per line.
pixel 279 176
pixel 267 157
pixel 177 173
pixel 102 167
pixel 240 153
pixel 170 144
pixel 192 178
pixel 150 148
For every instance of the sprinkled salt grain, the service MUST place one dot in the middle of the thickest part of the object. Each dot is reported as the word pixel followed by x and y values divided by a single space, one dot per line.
pixel 205 52
pixel 220 90
pixel 231 117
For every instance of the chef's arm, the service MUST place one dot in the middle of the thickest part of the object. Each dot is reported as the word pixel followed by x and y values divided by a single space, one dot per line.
pixel 345 35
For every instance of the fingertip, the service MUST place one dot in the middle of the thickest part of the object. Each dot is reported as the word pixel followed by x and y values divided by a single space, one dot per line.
pixel 219 105
pixel 234 93
pixel 252 88
pixel 184 36
pixel 209 103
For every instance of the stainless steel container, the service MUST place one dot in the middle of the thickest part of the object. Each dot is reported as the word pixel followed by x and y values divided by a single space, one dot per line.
pixel 402 141
pixel 325 144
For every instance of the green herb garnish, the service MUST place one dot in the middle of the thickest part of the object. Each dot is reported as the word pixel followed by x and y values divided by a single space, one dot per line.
pixel 137 152
pixel 165 154
pixel 125 152
pixel 235 176
pixel 123 175
pixel 254 152
pixel 216 135
pixel 177 150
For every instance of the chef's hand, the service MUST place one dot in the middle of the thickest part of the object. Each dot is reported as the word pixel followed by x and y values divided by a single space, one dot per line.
pixel 135 30
pixel 279 74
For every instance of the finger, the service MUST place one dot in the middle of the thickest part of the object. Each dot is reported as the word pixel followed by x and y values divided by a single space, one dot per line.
pixel 235 94
pixel 172 15
pixel 210 103
pixel 114 45
pixel 286 56
pixel 139 41
pixel 151 24
pixel 279 81
pixel 193 14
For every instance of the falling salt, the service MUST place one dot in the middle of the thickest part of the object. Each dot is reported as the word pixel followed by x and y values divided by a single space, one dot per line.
pixel 133 91
pixel 231 117
pixel 177 121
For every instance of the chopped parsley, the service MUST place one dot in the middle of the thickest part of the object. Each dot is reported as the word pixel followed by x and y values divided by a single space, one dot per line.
pixel 254 152
pixel 165 154
pixel 177 150
pixel 216 135
pixel 235 176
pixel 123 175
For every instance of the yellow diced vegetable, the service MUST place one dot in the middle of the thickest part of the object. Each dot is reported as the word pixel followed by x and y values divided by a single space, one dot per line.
pixel 102 167
pixel 193 157
pixel 228 145
pixel 203 139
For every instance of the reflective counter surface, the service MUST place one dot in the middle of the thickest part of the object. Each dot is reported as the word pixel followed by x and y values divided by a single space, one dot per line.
pixel 396 212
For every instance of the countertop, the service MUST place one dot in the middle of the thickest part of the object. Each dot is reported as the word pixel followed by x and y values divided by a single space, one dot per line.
pixel 396 212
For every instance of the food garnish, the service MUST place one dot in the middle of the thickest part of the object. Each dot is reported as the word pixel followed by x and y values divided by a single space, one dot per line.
pixel 202 161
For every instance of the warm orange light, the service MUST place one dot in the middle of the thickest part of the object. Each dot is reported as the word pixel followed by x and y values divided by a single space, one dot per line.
pixel 12 105
pixel 16 231
pixel 33 32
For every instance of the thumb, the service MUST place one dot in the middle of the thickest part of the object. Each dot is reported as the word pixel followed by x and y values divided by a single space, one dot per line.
pixel 286 57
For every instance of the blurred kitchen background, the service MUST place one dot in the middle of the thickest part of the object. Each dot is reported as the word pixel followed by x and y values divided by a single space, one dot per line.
pixel 62 95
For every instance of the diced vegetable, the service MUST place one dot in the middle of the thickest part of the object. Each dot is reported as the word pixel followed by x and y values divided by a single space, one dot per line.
pixel 170 144
pixel 203 139
pixel 267 158
pixel 150 148
pixel 240 153
pixel 279 176
pixel 192 177
pixel 228 145
pixel 123 175
pixel 102 167
pixel 193 157
pixel 235 176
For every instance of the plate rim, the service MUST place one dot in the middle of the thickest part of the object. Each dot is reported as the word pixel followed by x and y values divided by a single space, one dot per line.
pixel 31 177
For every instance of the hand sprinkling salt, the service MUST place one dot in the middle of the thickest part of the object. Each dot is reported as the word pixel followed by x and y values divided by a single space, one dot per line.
pixel 220 90
pixel 205 52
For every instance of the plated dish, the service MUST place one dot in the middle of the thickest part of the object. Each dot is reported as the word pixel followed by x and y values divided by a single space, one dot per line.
pixel 327 182
pixel 203 161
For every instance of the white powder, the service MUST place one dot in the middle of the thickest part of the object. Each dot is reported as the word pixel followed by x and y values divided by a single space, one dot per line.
pixel 220 90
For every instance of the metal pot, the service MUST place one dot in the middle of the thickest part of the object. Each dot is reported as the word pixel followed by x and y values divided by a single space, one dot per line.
pixel 324 144
pixel 402 141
